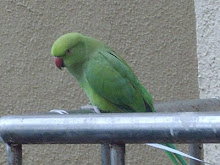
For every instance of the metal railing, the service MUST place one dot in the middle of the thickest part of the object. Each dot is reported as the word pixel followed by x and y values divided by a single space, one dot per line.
pixel 113 131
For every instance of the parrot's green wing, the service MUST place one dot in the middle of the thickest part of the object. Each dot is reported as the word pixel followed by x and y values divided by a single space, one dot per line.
pixel 111 78
pixel 121 89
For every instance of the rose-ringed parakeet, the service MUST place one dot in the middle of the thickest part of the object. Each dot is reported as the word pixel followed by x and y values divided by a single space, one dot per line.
pixel 106 78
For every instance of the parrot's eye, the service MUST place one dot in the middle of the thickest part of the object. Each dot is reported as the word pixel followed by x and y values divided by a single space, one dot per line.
pixel 68 51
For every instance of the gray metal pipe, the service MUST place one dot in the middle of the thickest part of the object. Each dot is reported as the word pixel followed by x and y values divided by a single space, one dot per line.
pixel 14 154
pixel 193 105
pixel 196 150
pixel 190 127
pixel 117 154
pixel 105 154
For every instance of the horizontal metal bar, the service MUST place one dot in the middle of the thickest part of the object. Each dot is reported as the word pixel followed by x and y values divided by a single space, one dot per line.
pixel 118 128
pixel 192 105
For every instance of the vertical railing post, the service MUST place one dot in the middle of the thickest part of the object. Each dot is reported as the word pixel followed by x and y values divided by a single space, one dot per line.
pixel 105 154
pixel 14 154
pixel 196 150
pixel 117 154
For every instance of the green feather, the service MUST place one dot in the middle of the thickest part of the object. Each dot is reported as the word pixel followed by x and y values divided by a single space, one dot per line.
pixel 108 81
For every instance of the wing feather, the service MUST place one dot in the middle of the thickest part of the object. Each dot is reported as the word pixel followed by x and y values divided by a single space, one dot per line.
pixel 111 78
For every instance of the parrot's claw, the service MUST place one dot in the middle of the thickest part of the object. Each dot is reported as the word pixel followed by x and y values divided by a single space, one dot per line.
pixel 59 111
pixel 94 108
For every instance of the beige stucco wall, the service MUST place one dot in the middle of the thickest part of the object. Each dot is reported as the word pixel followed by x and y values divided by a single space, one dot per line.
pixel 157 38
pixel 208 48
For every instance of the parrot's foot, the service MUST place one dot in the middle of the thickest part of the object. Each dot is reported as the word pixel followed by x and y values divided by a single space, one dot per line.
pixel 59 111
pixel 94 108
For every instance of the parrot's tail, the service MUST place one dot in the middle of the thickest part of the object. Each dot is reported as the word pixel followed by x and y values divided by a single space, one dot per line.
pixel 175 158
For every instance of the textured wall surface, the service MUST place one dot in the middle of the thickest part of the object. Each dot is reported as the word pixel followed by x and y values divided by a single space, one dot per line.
pixel 157 38
pixel 208 51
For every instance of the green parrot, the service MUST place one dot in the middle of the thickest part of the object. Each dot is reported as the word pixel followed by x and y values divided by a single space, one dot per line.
pixel 106 78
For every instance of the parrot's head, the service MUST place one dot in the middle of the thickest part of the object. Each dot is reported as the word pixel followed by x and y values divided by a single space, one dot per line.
pixel 69 50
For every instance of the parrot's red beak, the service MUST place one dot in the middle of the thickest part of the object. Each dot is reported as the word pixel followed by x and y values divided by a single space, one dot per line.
pixel 59 62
